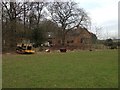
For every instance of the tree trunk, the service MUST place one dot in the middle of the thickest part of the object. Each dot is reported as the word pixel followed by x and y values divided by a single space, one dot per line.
pixel 63 39
pixel 12 38
pixel 24 19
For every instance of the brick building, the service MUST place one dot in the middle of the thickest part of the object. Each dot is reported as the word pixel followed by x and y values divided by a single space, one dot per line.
pixel 80 38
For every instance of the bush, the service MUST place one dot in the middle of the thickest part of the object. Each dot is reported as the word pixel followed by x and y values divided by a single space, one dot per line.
pixel 63 49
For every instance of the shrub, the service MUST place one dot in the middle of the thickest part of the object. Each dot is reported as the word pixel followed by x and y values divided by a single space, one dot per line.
pixel 63 49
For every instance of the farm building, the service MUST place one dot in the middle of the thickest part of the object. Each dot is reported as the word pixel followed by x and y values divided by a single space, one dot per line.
pixel 80 38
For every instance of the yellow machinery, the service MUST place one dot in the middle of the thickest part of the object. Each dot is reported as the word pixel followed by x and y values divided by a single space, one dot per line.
pixel 25 49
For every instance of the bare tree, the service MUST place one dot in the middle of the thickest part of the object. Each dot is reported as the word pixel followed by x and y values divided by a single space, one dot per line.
pixel 11 11
pixel 68 16
pixel 35 14
pixel 39 9
pixel 98 30
pixel 27 13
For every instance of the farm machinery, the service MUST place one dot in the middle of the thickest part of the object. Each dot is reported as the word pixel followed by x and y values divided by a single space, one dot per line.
pixel 25 49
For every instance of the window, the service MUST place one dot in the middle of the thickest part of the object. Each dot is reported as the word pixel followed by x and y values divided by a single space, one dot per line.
pixel 81 40
pixel 29 48
pixel 68 42
pixel 72 41
pixel 84 40
pixel 59 41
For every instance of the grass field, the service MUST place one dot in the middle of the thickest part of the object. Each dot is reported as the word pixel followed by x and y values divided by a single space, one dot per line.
pixel 80 69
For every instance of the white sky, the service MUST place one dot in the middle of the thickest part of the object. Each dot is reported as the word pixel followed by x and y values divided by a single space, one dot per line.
pixel 103 13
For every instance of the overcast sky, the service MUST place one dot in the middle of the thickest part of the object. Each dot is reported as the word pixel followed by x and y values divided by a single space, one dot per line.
pixel 103 13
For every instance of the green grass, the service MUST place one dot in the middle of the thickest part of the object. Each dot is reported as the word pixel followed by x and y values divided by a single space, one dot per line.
pixel 83 69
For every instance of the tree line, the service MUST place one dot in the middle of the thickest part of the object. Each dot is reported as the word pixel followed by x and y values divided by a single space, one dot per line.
pixel 32 19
